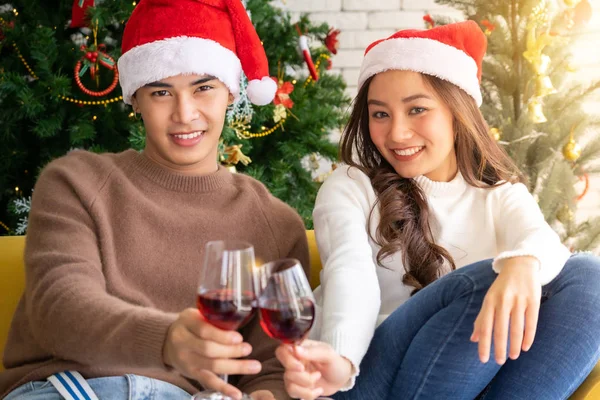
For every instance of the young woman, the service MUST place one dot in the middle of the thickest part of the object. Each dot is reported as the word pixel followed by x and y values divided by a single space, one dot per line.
pixel 436 257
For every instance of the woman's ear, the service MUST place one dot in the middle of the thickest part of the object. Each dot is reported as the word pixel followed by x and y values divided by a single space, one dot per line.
pixel 231 99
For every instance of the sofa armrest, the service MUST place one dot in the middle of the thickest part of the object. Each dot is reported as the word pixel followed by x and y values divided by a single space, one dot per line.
pixel 590 388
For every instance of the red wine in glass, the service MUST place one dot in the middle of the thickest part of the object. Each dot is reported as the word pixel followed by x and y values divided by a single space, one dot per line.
pixel 285 301
pixel 226 297
pixel 288 322
pixel 224 309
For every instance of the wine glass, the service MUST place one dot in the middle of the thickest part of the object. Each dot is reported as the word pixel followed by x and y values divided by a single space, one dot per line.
pixel 225 293
pixel 285 301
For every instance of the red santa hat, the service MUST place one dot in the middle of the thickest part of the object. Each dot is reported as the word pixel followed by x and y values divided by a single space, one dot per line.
pixel 451 52
pixel 165 38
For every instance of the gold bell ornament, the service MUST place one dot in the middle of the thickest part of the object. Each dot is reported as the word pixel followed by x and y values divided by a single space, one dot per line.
pixel 543 86
pixel 536 112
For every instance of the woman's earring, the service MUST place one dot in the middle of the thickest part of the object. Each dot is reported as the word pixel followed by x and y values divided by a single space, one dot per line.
pixel 137 116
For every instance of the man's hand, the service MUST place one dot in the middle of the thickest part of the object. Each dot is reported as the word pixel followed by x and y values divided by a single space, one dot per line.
pixel 201 351
pixel 262 395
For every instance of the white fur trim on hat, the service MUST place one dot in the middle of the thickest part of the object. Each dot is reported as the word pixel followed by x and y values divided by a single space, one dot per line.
pixel 261 92
pixel 152 62
pixel 426 56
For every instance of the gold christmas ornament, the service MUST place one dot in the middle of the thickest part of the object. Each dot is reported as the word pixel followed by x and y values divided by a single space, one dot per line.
pixel 536 112
pixel 540 66
pixel 565 214
pixel 495 133
pixel 234 155
pixel 571 151
pixel 314 162
pixel 543 86
pixel 539 14
pixel 535 47
pixel 231 168
pixel 280 113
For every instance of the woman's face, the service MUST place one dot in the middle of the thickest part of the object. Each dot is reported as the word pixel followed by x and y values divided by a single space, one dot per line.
pixel 411 126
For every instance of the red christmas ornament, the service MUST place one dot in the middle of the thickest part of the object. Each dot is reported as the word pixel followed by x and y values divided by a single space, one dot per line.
pixel 93 58
pixel 303 41
pixel 429 22
pixel 308 58
pixel 329 64
pixel 489 27
pixel 282 96
pixel 582 13
pixel 78 17
pixel 10 25
pixel 586 178
pixel 331 41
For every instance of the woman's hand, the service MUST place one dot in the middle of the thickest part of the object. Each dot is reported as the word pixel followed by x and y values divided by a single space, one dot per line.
pixel 512 302
pixel 313 369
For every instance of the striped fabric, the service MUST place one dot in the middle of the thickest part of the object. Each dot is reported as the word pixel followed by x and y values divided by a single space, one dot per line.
pixel 72 386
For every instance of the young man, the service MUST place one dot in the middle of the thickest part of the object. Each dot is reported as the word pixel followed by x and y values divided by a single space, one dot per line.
pixel 115 241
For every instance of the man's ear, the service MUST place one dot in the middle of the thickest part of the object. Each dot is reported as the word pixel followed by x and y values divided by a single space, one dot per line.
pixel 135 105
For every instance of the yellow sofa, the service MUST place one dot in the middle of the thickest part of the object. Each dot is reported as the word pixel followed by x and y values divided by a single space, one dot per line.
pixel 12 282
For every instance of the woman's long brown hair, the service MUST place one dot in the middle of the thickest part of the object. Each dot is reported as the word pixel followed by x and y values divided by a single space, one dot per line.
pixel 404 223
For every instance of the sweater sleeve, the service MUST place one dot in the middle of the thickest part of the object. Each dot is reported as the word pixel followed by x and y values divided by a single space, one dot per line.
pixel 349 284
pixel 71 313
pixel 289 234
pixel 522 231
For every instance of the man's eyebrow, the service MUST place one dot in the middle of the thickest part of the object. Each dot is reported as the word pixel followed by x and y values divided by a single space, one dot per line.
pixel 166 85
pixel 203 80
pixel 158 85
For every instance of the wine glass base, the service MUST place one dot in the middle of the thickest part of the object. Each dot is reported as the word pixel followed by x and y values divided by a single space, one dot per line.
pixel 212 395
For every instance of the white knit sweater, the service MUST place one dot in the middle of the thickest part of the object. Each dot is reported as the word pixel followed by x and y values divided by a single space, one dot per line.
pixel 473 224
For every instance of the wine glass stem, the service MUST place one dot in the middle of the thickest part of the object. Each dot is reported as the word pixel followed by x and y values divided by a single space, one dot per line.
pixel 224 377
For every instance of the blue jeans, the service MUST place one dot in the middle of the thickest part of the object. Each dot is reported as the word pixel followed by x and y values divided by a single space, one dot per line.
pixel 128 387
pixel 423 351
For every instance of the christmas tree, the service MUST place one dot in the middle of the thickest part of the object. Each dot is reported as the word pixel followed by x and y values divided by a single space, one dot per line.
pixel 533 102
pixel 59 91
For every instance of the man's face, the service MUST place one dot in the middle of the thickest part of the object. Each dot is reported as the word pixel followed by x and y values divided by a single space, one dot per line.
pixel 183 116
